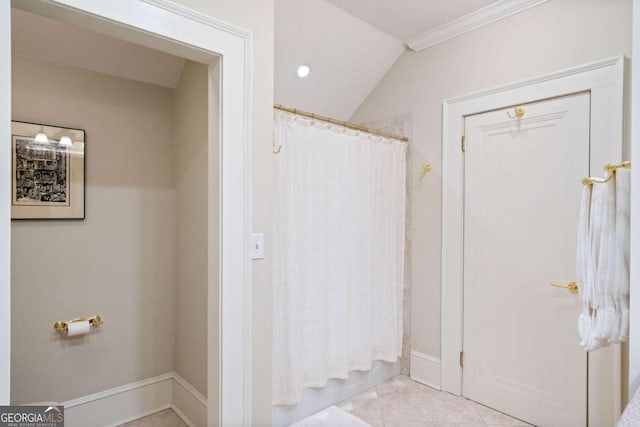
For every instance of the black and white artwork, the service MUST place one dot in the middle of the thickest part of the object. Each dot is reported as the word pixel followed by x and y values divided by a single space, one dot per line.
pixel 47 171
pixel 41 172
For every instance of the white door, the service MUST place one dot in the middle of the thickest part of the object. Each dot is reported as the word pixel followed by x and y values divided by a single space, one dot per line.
pixel 521 198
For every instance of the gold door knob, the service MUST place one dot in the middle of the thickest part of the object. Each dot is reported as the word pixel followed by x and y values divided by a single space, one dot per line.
pixel 571 286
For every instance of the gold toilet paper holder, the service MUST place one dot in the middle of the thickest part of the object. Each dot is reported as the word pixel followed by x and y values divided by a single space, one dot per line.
pixel 62 326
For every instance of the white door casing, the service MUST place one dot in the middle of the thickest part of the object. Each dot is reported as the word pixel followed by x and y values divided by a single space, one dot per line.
pixel 522 181
pixel 169 27
pixel 5 205
pixel 604 81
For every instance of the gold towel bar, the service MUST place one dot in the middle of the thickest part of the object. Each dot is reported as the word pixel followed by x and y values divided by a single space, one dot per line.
pixel 610 168
pixel 60 326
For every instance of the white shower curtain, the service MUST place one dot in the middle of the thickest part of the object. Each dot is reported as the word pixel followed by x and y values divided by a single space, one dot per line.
pixel 339 236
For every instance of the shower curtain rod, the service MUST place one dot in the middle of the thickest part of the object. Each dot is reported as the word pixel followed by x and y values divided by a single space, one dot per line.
pixel 340 122
pixel 610 168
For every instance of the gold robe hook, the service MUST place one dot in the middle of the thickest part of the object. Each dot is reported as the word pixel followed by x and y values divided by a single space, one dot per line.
pixel 518 113
pixel 426 168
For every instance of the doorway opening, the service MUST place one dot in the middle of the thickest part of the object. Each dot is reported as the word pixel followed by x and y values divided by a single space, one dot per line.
pixel 185 33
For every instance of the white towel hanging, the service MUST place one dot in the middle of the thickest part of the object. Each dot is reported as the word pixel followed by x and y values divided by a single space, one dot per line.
pixel 623 221
pixel 603 261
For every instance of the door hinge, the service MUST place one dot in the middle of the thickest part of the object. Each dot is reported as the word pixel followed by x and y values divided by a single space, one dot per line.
pixel 464 143
pixel 462 359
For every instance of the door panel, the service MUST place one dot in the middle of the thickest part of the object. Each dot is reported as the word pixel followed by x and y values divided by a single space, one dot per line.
pixel 522 192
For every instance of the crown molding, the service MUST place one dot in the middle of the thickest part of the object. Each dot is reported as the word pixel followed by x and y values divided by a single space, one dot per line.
pixel 471 21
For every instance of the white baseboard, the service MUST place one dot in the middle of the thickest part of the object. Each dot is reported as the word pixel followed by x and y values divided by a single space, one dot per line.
pixel 119 405
pixel 189 403
pixel 425 369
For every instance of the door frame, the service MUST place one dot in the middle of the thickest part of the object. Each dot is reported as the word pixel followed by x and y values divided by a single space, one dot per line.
pixel 172 28
pixel 605 81
pixel 5 205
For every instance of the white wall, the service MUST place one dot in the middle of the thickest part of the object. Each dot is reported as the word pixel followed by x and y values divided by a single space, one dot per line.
pixel 634 338
pixel 119 262
pixel 557 35
pixel 191 170
pixel 257 16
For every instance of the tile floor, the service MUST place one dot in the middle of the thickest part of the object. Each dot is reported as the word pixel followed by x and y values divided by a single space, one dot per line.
pixel 166 418
pixel 399 402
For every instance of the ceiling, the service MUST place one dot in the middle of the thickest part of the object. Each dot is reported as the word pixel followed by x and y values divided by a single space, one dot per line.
pixel 348 57
pixel 349 44
pixel 53 41
pixel 405 19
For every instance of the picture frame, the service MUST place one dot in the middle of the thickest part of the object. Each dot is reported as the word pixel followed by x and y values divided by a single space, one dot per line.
pixel 48 171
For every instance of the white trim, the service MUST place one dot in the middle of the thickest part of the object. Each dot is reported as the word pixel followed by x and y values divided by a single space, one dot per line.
pixel 426 369
pixel 129 402
pixel 479 18
pixel 598 65
pixel 122 404
pixel 5 207
pixel 172 28
pixel 90 398
pixel 196 16
pixel 634 333
pixel 604 79
pixel 182 416
pixel 190 389
pixel 188 403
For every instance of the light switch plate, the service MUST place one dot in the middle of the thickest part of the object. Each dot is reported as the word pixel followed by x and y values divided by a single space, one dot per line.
pixel 257 245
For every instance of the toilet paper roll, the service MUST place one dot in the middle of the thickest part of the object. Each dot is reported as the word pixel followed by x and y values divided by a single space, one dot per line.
pixel 78 328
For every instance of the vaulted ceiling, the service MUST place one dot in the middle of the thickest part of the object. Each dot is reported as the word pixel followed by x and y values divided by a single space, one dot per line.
pixel 405 19
pixel 349 45
pixel 347 56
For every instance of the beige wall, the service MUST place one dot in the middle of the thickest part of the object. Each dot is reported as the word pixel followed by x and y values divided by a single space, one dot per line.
pixel 119 262
pixel 191 140
pixel 257 16
pixel 557 35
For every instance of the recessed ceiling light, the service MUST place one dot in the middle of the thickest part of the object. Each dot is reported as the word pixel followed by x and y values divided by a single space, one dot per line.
pixel 303 71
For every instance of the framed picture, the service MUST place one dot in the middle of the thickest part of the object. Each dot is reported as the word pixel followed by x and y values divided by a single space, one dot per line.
pixel 47 172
